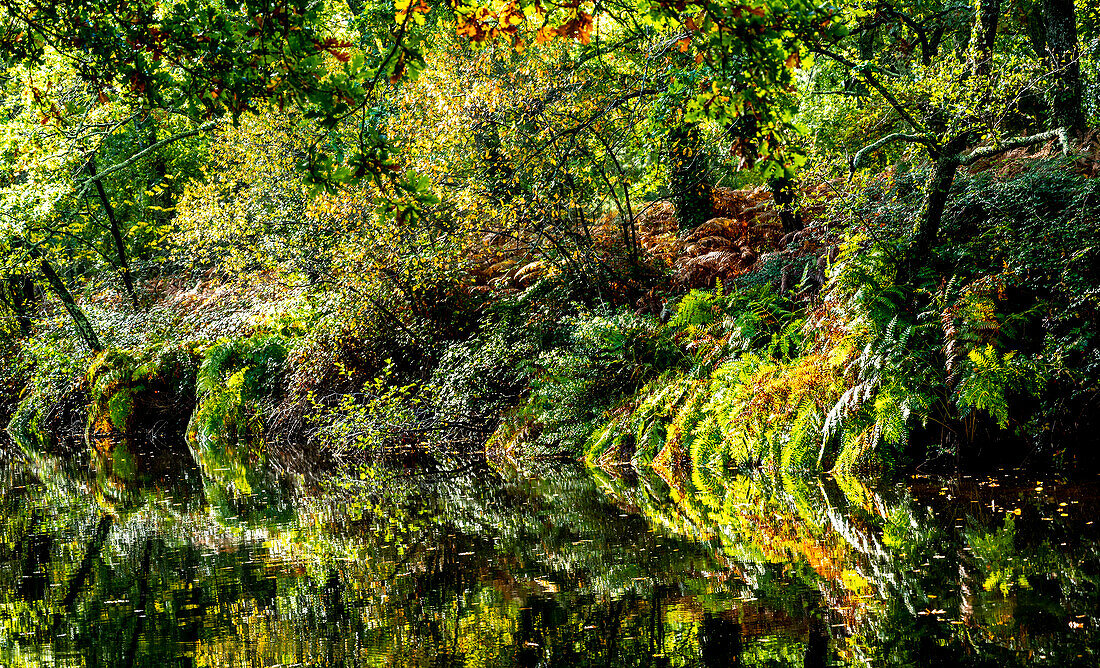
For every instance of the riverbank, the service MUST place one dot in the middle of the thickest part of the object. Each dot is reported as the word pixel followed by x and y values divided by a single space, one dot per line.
pixel 727 346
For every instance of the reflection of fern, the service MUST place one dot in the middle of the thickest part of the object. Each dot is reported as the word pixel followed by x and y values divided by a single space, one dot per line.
pixel 994 550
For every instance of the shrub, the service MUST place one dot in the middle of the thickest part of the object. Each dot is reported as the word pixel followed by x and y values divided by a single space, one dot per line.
pixel 237 380
pixel 606 356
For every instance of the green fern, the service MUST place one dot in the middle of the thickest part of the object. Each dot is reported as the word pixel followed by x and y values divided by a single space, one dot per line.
pixel 990 378
pixel 696 310
pixel 226 429
pixel 800 452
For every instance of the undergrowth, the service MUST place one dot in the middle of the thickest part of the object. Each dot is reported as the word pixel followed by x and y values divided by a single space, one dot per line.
pixel 990 351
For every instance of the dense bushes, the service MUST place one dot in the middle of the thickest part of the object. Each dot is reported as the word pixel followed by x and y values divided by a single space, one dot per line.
pixel 991 347
pixel 50 404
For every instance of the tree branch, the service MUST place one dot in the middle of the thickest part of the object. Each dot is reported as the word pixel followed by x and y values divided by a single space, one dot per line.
pixel 87 183
pixel 854 162
pixel 873 81
pixel 616 103
pixel 1061 134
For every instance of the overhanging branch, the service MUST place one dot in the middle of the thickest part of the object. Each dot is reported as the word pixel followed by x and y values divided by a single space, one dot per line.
pixel 1061 134
pixel 90 180
pixel 857 159
pixel 873 81
pixel 619 101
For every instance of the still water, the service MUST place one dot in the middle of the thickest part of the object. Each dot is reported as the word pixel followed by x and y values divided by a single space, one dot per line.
pixel 554 565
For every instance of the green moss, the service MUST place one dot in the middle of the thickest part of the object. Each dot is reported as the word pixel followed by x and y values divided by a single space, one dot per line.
pixel 121 405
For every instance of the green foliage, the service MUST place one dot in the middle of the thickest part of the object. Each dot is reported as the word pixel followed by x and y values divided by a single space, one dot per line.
pixel 991 378
pixel 379 418
pixel 688 183
pixel 750 394
pixel 696 309
pixel 478 379
pixel 996 553
pixel 117 377
pixel 432 196
pixel 47 372
pixel 237 380
pixel 606 355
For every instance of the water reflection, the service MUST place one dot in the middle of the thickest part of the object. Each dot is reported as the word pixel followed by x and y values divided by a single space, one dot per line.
pixel 553 566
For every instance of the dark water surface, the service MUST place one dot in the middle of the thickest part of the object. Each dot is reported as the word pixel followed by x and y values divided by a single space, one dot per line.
pixel 558 565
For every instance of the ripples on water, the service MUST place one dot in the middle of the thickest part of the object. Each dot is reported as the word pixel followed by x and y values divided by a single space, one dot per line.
pixel 559 566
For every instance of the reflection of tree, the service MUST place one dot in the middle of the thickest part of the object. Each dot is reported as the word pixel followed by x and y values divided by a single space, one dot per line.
pixel 36 564
pixel 900 582
pixel 719 641
pixel 91 555
pixel 547 567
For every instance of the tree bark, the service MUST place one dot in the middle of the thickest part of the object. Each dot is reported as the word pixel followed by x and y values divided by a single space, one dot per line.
pixel 83 327
pixel 1036 29
pixel 116 234
pixel 35 580
pixel 928 226
pixel 985 35
pixel 817 640
pixel 1063 59
pixel 786 198
pixel 18 293
pixel 140 608
pixel 948 159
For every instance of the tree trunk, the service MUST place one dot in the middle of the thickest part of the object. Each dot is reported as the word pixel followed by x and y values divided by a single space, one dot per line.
pixel 144 575
pixel 688 174
pixel 985 35
pixel 19 294
pixel 83 327
pixel 721 641
pixel 786 196
pixel 1036 29
pixel 817 640
pixel 928 227
pixel 80 576
pixel 1063 59
pixel 116 234
pixel 35 580
pixel 939 190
